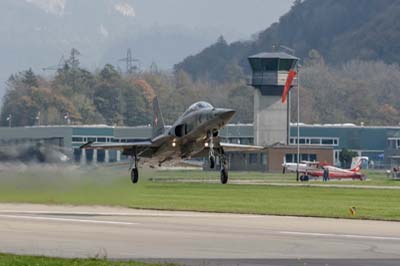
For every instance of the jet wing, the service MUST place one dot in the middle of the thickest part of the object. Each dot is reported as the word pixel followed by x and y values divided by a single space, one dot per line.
pixel 232 147
pixel 117 145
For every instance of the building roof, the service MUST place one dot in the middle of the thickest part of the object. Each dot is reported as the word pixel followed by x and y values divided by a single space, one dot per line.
pixel 344 125
pixel 277 55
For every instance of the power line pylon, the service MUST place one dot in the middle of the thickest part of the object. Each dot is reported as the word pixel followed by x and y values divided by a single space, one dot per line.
pixel 129 60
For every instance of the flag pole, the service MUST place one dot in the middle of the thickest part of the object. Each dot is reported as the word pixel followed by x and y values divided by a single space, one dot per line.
pixel 298 122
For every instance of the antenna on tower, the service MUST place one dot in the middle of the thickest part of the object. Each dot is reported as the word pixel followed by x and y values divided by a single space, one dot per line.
pixel 129 60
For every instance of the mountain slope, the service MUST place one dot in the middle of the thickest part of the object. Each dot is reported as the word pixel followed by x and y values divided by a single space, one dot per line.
pixel 340 30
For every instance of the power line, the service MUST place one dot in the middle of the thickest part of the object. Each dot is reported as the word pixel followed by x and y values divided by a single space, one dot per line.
pixel 60 65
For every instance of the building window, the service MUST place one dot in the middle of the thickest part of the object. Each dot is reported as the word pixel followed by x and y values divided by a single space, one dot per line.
pixel 77 139
pixel 315 142
pixel 252 158
pixel 101 139
pixel 320 141
pixel 245 141
pixel 77 155
pixel 235 140
pixel 263 159
pixel 292 158
pixel 327 141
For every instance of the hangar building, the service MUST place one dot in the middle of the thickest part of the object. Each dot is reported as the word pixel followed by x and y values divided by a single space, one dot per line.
pixel 318 142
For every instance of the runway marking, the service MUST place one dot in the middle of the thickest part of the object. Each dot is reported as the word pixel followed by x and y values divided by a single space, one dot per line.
pixel 340 235
pixel 200 215
pixel 65 220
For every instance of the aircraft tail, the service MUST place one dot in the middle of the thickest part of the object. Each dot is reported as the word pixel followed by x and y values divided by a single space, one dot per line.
pixel 158 121
pixel 356 164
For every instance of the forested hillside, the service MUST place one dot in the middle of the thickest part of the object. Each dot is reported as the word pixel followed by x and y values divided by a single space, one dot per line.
pixel 110 97
pixel 349 74
pixel 339 30
pixel 350 54
pixel 74 94
pixel 356 92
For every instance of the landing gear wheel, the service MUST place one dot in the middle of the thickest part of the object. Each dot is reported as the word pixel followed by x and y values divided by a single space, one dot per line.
pixel 134 175
pixel 134 170
pixel 224 176
pixel 212 162
pixel 223 162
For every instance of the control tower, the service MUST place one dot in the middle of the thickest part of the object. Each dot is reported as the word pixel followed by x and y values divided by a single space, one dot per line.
pixel 271 116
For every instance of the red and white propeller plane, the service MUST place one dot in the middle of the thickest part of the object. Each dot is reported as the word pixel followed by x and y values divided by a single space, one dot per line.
pixel 316 170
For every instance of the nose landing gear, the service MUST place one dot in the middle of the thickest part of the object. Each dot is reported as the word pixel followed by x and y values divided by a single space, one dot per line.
pixel 211 160
pixel 211 156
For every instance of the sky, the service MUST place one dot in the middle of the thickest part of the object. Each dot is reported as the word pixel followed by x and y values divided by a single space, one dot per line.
pixel 235 19
pixel 203 21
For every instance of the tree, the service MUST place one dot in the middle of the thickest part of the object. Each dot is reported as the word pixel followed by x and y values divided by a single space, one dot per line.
pixel 29 78
pixel 108 100
pixel 346 156
pixel 73 60
pixel 109 74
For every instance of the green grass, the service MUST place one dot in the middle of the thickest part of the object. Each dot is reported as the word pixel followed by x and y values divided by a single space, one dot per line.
pixel 374 178
pixel 17 260
pixel 110 186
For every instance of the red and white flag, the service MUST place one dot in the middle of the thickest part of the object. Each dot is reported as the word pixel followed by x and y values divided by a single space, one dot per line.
pixel 289 81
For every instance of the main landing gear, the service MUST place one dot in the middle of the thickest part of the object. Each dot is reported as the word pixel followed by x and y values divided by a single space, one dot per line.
pixel 212 159
pixel 134 170
pixel 224 170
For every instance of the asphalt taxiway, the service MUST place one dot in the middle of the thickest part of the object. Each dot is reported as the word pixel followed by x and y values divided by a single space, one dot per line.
pixel 123 233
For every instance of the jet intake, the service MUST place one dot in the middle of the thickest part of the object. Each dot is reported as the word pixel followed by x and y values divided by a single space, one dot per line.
pixel 215 133
pixel 181 130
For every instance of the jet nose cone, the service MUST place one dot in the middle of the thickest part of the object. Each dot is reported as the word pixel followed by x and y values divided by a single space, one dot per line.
pixel 226 114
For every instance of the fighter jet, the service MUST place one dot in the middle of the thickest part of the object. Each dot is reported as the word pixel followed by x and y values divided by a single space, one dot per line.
pixel 195 134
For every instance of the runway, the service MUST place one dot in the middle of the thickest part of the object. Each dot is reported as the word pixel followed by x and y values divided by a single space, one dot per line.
pixel 124 233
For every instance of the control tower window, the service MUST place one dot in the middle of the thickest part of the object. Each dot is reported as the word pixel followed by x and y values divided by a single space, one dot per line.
pixel 270 64
pixel 285 64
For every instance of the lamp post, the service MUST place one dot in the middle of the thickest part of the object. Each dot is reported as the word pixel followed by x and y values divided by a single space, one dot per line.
pixel 67 119
pixel 9 119
pixel 38 118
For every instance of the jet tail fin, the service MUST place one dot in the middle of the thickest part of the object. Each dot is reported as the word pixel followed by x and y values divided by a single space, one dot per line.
pixel 158 120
